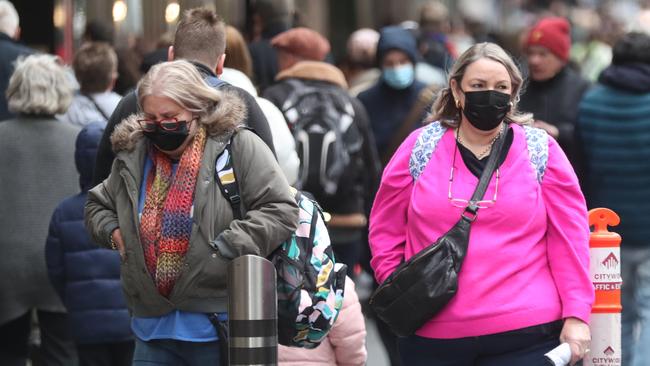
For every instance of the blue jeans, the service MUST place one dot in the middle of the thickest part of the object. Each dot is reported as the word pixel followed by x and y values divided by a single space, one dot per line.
pixel 520 347
pixel 635 297
pixel 175 353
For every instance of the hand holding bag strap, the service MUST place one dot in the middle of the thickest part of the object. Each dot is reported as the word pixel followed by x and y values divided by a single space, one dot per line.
pixel 471 211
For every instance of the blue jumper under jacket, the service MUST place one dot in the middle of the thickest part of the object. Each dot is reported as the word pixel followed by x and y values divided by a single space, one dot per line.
pixel 85 276
pixel 614 126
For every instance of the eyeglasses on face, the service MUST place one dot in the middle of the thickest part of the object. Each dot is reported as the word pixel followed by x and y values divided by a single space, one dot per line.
pixel 167 124
pixel 463 203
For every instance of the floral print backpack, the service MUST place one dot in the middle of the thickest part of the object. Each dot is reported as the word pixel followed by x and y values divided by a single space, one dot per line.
pixel 310 284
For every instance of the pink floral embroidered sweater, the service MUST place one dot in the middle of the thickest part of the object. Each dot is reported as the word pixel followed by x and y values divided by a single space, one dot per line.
pixel 528 256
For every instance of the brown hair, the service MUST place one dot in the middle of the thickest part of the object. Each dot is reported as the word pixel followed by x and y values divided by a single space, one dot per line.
pixel 444 108
pixel 95 66
pixel 237 55
pixel 200 36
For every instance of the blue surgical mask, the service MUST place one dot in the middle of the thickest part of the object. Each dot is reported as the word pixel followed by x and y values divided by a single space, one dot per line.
pixel 399 77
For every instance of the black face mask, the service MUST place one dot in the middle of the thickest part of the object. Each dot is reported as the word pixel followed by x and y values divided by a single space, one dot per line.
pixel 486 109
pixel 168 140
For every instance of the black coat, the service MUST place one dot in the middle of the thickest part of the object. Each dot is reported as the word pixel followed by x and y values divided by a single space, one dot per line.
pixel 129 105
pixel 10 50
pixel 388 109
pixel 265 57
pixel 556 101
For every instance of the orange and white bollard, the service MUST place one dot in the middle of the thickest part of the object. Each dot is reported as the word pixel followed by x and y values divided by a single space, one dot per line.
pixel 605 269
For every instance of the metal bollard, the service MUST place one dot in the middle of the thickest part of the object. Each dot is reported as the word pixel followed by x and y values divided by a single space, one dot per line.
pixel 252 312
pixel 605 269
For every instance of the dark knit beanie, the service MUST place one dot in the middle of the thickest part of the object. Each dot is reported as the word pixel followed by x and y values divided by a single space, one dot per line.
pixel 553 33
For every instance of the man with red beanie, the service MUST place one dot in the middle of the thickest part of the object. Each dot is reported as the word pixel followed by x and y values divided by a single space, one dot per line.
pixel 554 90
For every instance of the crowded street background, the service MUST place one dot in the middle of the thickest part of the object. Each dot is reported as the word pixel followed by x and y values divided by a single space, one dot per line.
pixel 118 215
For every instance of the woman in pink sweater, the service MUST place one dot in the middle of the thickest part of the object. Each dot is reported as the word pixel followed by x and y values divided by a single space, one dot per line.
pixel 524 285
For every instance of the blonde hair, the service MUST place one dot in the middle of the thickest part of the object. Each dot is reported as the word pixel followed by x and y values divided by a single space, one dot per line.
pixel 182 83
pixel 444 108
pixel 40 85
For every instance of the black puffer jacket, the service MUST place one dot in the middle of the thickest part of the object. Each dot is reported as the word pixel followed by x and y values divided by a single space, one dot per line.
pixel 556 101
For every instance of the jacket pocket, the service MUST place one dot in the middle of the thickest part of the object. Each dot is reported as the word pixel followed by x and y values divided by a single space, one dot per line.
pixel 211 277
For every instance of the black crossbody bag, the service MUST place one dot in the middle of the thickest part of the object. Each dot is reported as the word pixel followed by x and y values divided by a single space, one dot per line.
pixel 421 286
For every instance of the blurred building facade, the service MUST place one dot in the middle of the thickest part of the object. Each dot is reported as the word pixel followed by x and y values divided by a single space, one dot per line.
pixel 59 24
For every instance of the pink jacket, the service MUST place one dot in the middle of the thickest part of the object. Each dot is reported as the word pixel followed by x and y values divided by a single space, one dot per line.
pixel 528 256
pixel 345 344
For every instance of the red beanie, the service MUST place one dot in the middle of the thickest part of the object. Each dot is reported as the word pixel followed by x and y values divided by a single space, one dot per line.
pixel 552 33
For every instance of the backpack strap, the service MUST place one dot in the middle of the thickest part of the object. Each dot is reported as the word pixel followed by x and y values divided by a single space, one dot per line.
pixel 537 143
pixel 97 107
pixel 411 120
pixel 424 147
pixel 298 90
pixel 226 180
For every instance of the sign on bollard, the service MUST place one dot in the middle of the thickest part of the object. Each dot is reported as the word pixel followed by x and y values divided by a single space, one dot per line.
pixel 605 269
pixel 252 312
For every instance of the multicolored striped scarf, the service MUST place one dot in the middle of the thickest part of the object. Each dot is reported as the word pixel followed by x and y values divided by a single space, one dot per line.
pixel 166 221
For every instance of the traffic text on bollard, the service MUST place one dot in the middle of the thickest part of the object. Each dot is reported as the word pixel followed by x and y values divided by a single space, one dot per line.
pixel 252 312
pixel 605 269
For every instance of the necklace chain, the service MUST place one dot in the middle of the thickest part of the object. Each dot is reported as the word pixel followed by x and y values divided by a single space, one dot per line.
pixel 487 149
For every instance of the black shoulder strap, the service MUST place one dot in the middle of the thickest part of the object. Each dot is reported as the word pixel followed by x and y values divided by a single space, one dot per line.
pixel 471 211
pixel 101 111
pixel 226 178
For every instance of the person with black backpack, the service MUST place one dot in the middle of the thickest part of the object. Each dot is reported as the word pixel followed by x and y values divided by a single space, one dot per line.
pixel 339 162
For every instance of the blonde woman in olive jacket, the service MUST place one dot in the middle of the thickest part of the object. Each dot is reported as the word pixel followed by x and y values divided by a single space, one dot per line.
pixel 175 100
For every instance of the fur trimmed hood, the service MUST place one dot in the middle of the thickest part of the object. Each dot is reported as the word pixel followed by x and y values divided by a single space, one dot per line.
pixel 228 115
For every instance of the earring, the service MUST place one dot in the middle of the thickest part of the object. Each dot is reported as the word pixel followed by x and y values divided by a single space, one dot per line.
pixel 457 104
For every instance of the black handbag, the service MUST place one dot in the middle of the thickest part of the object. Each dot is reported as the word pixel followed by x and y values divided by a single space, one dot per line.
pixel 423 285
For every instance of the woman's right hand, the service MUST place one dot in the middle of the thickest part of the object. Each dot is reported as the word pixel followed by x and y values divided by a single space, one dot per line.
pixel 576 333
pixel 119 242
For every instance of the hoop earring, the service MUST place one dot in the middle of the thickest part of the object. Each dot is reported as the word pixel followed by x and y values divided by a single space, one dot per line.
pixel 457 104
